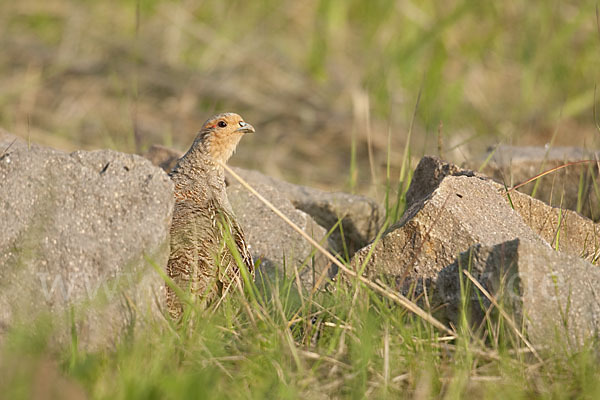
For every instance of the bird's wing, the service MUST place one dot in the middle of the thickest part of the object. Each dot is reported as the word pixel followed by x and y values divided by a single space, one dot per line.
pixel 240 240
pixel 193 239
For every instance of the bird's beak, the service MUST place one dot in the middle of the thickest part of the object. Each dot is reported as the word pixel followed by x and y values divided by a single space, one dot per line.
pixel 245 128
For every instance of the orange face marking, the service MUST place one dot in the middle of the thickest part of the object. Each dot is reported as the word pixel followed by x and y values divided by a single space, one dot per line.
pixel 221 134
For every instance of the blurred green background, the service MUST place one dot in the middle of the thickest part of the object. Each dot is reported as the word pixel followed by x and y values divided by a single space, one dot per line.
pixel 321 80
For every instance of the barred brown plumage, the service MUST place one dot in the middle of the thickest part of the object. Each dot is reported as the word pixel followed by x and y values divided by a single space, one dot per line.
pixel 200 261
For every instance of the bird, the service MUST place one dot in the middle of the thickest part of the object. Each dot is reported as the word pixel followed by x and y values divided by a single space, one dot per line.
pixel 200 261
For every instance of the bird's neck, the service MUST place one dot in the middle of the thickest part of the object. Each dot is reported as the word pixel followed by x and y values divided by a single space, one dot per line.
pixel 197 171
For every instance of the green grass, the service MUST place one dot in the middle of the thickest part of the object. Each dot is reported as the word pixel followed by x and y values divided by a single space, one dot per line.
pixel 347 344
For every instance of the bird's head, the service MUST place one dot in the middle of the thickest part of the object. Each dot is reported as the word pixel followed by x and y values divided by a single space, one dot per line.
pixel 220 135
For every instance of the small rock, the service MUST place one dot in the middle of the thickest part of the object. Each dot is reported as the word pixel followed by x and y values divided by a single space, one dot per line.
pixel 280 249
pixel 360 216
pixel 565 230
pixel 77 229
pixel 572 187
pixel 427 176
pixel 460 211
pixel 163 157
pixel 553 295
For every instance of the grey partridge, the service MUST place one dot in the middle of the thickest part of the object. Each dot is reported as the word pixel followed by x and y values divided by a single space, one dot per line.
pixel 200 262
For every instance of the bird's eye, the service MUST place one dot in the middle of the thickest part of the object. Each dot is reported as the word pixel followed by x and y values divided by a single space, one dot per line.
pixel 222 124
